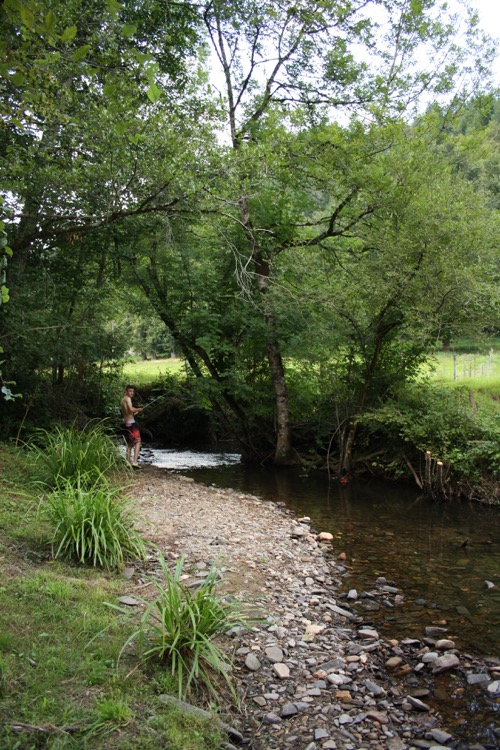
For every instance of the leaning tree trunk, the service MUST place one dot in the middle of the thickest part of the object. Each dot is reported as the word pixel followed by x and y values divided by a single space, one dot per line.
pixel 284 455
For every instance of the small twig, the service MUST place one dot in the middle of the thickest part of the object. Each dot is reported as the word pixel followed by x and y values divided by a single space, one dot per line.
pixel 415 475
pixel 45 729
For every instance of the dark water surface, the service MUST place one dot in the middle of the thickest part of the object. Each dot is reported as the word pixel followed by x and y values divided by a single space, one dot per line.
pixel 440 556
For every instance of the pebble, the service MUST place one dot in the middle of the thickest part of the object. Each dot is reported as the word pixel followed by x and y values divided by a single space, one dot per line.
pixel 440 736
pixel 128 600
pixel 444 644
pixel 274 654
pixel 282 671
pixel 444 663
pixel 312 668
pixel 252 662
pixel 289 709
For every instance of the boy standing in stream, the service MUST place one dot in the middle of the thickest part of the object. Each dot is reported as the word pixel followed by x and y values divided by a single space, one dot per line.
pixel 132 432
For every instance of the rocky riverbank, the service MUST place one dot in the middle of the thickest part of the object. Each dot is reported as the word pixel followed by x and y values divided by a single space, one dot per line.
pixel 313 673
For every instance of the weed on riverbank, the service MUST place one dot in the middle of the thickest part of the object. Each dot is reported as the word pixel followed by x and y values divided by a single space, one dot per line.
pixel 61 685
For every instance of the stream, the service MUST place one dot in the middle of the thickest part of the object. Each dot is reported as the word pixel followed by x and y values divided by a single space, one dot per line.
pixel 444 557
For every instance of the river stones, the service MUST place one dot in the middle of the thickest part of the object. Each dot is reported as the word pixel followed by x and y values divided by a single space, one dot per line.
pixel 252 662
pixel 329 687
pixel 444 663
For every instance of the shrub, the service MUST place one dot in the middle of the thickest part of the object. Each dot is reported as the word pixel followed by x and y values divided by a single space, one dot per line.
pixel 68 453
pixel 90 523
pixel 442 420
pixel 179 625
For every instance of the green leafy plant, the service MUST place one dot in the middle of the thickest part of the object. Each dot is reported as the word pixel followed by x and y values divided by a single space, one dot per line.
pixel 111 714
pixel 91 523
pixel 68 453
pixel 179 626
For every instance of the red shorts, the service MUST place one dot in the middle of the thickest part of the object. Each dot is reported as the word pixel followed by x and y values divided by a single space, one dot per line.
pixel 132 433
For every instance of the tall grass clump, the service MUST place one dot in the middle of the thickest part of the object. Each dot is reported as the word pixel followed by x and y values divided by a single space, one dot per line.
pixel 91 523
pixel 69 453
pixel 179 626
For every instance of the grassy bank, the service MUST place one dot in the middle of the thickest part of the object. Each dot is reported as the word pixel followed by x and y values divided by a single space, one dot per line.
pixel 62 684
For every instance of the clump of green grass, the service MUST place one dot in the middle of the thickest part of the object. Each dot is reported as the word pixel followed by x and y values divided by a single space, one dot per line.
pixel 179 626
pixel 91 523
pixel 68 453
pixel 188 731
pixel 112 713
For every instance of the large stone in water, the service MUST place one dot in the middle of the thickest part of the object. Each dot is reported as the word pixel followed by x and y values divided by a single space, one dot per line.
pixel 476 679
pixel 494 688
pixel 440 736
pixel 417 703
pixel 325 536
pixel 445 644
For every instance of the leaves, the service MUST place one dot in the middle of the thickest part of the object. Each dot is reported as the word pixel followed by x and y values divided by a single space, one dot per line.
pixel 129 30
pixel 153 92
pixel 69 34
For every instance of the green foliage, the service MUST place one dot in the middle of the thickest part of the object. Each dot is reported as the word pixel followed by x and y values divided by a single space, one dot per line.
pixel 66 453
pixel 91 523
pixel 111 713
pixel 179 626
pixel 441 420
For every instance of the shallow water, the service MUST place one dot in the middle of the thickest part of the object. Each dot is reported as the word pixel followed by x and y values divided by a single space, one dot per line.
pixel 441 555
pixel 444 558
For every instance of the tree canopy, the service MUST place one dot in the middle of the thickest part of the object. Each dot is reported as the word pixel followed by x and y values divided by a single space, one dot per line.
pixel 303 196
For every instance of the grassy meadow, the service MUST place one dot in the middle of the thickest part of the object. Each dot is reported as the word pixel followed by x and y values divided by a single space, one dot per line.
pixel 479 373
pixel 476 371
pixel 144 372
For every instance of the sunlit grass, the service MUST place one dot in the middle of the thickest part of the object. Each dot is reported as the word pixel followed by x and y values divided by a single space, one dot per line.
pixel 145 372
pixel 473 370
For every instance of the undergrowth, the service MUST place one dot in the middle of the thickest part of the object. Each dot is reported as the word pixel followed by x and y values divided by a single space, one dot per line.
pixel 65 683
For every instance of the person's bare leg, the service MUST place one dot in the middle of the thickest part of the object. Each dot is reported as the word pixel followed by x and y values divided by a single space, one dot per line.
pixel 137 448
pixel 128 452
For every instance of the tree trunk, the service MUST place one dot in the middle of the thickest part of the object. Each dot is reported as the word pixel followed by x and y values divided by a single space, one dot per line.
pixel 284 455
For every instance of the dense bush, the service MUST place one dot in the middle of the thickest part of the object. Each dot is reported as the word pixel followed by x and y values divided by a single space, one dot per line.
pixel 445 421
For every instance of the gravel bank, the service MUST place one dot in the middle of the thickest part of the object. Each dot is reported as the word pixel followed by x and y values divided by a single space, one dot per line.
pixel 312 674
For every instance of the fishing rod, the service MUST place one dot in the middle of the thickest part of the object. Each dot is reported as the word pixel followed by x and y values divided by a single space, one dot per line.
pixel 163 395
